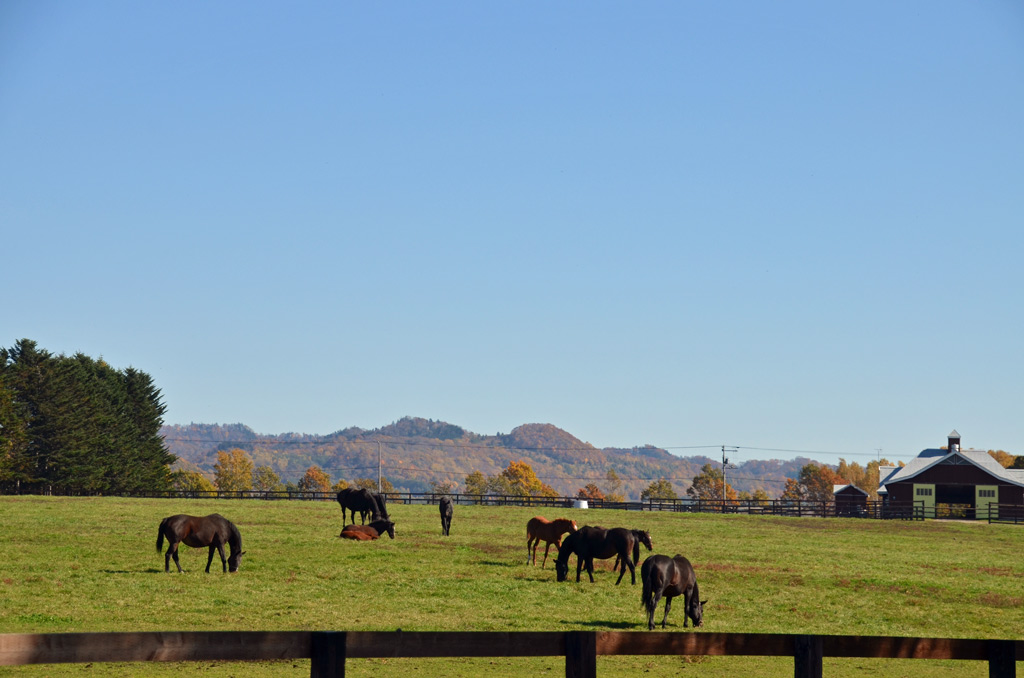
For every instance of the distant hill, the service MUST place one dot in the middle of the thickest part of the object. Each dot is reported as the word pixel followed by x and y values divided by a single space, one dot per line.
pixel 415 452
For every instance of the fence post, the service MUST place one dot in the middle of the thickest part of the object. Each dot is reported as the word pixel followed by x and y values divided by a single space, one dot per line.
pixel 328 654
pixel 581 654
pixel 1002 659
pixel 807 654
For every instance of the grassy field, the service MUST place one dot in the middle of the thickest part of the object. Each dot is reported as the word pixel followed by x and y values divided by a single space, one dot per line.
pixel 91 565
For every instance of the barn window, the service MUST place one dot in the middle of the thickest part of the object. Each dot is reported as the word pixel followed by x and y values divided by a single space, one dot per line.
pixel 986 493
pixel 924 491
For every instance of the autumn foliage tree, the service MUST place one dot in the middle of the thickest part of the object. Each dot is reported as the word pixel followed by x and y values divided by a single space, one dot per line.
pixel 613 487
pixel 659 489
pixel 709 484
pixel 191 481
pixel 590 491
pixel 233 471
pixel 815 483
pixel 265 479
pixel 371 484
pixel 315 480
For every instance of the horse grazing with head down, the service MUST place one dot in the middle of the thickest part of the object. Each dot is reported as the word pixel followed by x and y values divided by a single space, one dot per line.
pixel 670 577
pixel 213 530
pixel 551 531
pixel 447 508
pixel 596 542
pixel 369 532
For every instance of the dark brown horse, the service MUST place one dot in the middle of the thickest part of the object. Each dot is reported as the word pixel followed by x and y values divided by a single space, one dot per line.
pixel 551 531
pixel 363 501
pixel 639 537
pixel 213 530
pixel 447 508
pixel 670 577
pixel 368 532
pixel 596 542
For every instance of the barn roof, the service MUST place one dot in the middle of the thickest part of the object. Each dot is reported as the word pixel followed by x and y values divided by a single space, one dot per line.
pixel 931 457
pixel 836 489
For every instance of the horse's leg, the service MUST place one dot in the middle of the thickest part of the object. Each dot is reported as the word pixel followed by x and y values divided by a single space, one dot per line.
pixel 529 542
pixel 579 567
pixel 172 552
pixel 167 557
pixel 621 562
pixel 210 559
pixel 590 569
pixel 668 606
pixel 653 608
pixel 632 571
pixel 545 561
pixel 223 560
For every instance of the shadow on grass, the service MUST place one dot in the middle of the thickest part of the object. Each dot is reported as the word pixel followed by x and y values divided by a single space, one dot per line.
pixel 495 563
pixel 146 571
pixel 620 625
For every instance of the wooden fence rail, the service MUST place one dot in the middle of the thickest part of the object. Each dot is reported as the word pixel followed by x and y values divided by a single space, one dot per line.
pixel 329 650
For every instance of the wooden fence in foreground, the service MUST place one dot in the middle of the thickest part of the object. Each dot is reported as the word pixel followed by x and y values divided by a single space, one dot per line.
pixel 329 650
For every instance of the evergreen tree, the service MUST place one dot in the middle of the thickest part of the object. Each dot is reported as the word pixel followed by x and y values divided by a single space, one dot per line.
pixel 78 422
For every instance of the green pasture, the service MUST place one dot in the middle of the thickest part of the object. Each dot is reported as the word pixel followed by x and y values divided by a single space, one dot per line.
pixel 90 564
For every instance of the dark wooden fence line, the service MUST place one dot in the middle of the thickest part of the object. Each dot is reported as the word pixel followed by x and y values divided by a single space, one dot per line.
pixel 329 650
pixel 774 507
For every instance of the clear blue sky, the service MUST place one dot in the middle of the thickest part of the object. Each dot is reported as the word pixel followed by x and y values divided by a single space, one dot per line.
pixel 787 225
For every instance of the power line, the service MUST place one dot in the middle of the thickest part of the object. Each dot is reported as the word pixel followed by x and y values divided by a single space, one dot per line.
pixel 500 446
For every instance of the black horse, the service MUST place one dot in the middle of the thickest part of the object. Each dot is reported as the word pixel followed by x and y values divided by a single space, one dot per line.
pixel 596 542
pixel 447 508
pixel 213 530
pixel 363 501
pixel 639 537
pixel 670 577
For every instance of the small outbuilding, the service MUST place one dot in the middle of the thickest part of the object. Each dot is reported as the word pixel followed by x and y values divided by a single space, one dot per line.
pixel 952 482
pixel 850 500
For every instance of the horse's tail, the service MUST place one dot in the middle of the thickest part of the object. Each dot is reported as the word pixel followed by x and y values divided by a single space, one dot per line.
pixel 160 536
pixel 647 594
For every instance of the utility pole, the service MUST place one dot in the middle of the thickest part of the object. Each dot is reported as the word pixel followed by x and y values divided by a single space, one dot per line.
pixel 378 468
pixel 725 465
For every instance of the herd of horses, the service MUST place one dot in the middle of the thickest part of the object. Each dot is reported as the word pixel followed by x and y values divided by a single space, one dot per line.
pixel 661 576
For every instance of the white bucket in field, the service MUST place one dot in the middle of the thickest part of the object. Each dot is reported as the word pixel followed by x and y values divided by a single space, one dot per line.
pixel 579 503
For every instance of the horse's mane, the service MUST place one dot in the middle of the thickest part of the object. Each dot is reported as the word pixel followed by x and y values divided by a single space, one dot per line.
pixel 235 540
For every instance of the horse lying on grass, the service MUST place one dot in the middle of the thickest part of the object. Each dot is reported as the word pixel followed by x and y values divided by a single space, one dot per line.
pixel 369 532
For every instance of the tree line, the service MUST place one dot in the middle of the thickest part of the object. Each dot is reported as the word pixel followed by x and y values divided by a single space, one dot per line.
pixel 77 422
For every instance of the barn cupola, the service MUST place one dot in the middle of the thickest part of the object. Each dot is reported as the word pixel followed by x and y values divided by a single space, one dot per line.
pixel 953 441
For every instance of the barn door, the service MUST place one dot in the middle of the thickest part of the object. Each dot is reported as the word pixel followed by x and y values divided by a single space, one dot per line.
pixel 926 494
pixel 983 496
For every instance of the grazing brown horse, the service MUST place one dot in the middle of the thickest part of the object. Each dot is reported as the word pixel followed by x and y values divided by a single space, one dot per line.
pixel 670 577
pixel 596 542
pixel 639 537
pixel 550 531
pixel 213 530
pixel 369 532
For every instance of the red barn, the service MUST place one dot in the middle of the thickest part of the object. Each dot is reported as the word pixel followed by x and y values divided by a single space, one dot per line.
pixel 850 500
pixel 952 482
